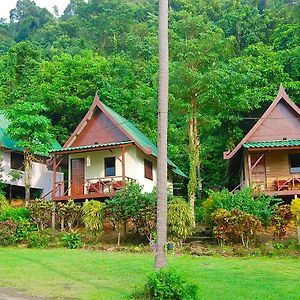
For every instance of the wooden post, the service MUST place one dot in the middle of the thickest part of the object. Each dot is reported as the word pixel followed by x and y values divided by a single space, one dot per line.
pixel 123 163
pixel 53 220
pixel 249 169
pixel 54 177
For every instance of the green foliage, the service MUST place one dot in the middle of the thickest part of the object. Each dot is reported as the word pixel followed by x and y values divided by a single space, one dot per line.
pixel 69 213
pixel 38 240
pixel 8 233
pixel 130 203
pixel 72 240
pixel 295 210
pixel 235 226
pixel 4 204
pixel 280 221
pixel 199 213
pixel 263 207
pixel 168 284
pixel 93 216
pixel 15 214
pixel 41 212
pixel 180 219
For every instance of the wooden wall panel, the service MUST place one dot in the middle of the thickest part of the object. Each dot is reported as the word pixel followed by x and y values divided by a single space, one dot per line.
pixel 100 130
pixel 278 167
pixel 282 123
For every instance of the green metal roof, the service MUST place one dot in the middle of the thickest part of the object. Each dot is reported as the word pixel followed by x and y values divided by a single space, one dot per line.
pixel 7 142
pixel 140 137
pixel 91 146
pixel 271 144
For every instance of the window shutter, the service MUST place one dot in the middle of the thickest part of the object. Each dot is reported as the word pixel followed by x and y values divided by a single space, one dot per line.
pixel 148 169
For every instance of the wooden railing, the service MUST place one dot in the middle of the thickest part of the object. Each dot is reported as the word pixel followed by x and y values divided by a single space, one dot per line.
pixel 91 186
pixel 292 183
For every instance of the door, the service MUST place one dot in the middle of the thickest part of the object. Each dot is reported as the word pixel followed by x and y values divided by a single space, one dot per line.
pixel 77 176
pixel 258 171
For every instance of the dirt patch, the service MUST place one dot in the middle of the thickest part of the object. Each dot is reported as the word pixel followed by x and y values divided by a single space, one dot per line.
pixel 14 294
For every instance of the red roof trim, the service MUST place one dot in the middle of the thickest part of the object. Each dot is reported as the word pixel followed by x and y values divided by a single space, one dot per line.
pixel 281 95
pixel 82 124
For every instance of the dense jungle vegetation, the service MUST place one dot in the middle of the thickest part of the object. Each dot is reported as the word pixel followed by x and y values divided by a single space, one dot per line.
pixel 227 60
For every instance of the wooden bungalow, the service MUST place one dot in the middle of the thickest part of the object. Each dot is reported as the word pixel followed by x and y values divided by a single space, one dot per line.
pixel 268 157
pixel 103 153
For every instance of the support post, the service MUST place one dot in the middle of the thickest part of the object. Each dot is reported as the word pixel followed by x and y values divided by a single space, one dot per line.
pixel 249 169
pixel 123 163
pixel 54 177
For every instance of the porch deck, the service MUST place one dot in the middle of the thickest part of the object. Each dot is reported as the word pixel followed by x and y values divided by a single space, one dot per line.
pixel 92 188
pixel 281 187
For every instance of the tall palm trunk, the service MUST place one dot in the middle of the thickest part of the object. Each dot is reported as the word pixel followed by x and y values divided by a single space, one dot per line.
pixel 160 257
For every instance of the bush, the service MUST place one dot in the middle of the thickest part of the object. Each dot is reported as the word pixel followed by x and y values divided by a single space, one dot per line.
pixel 263 207
pixel 295 210
pixel 4 204
pixel 38 240
pixel 180 219
pixel 41 212
pixel 235 226
pixel 69 213
pixel 8 233
pixel 72 240
pixel 15 214
pixel 199 214
pixel 93 215
pixel 168 284
pixel 281 220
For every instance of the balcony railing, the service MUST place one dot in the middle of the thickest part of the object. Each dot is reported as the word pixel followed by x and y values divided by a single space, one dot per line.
pixel 89 188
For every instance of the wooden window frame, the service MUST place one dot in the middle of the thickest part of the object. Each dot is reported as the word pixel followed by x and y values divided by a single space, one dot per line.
pixel 20 165
pixel 290 163
pixel 148 169
pixel 106 160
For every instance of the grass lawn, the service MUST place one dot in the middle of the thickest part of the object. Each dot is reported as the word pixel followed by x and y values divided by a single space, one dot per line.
pixel 99 275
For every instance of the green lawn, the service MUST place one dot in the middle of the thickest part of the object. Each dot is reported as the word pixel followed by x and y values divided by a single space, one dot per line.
pixel 99 275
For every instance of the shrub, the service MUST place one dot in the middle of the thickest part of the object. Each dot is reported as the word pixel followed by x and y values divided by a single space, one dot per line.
pixel 263 207
pixel 38 240
pixel 8 233
pixel 235 226
pixel 41 212
pixel 168 284
pixel 4 204
pixel 180 219
pixel 24 229
pixel 69 213
pixel 281 220
pixel 72 240
pixel 199 214
pixel 131 204
pixel 295 210
pixel 15 214
pixel 93 215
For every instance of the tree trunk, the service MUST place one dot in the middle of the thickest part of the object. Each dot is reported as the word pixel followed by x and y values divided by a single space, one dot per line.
pixel 194 148
pixel 160 255
pixel 27 166
pixel 119 237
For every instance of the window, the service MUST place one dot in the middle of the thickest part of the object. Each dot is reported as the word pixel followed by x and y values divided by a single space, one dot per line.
pixel 148 169
pixel 294 163
pixel 17 161
pixel 110 166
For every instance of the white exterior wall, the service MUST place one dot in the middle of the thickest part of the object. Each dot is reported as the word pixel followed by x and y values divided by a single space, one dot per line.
pixel 41 177
pixel 134 166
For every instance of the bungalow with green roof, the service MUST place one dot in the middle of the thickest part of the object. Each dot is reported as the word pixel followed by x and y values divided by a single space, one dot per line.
pixel 268 157
pixel 12 168
pixel 103 153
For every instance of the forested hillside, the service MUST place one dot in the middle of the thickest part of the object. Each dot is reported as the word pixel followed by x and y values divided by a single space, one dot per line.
pixel 227 60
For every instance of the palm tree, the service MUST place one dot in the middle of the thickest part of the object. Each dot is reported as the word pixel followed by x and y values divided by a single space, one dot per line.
pixel 160 257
